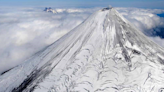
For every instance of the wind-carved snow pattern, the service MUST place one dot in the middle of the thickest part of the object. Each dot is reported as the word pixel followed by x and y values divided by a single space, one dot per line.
pixel 105 53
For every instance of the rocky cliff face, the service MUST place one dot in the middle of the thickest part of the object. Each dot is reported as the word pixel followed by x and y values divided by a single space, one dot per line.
pixel 105 53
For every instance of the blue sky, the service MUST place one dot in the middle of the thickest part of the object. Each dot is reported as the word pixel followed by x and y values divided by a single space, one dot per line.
pixel 85 3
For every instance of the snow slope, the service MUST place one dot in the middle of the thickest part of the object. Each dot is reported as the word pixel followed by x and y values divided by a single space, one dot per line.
pixel 105 53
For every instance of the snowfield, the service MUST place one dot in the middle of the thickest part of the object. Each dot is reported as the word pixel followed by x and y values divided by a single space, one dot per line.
pixel 105 53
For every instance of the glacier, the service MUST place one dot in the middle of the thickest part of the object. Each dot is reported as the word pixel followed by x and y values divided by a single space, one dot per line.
pixel 105 53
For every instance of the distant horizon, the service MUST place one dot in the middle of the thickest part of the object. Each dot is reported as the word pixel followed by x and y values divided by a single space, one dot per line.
pixel 83 7
pixel 152 4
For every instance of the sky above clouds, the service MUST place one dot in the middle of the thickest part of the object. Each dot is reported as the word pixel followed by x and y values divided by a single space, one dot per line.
pixel 85 3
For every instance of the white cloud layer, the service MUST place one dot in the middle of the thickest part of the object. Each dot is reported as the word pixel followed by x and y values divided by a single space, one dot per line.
pixel 25 31
pixel 144 19
pixel 147 21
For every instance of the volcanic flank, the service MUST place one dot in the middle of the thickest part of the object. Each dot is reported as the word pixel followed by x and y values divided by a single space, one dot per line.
pixel 105 53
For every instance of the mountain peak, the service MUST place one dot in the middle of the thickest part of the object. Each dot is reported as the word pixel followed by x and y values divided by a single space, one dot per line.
pixel 105 53
pixel 107 8
pixel 50 10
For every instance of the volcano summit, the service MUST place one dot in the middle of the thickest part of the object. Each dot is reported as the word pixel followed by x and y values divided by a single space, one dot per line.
pixel 105 53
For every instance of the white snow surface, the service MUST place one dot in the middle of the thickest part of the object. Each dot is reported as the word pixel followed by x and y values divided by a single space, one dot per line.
pixel 105 53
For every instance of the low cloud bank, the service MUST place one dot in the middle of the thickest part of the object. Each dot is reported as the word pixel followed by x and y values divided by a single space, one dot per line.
pixel 25 31
pixel 148 21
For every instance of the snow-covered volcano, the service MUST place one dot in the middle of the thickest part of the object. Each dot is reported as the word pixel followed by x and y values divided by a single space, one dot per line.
pixel 105 53
pixel 50 10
